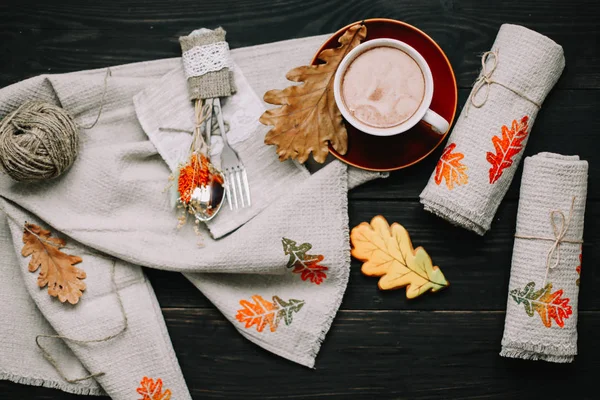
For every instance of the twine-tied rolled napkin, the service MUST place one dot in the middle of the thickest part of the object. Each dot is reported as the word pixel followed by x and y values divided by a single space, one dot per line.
pixel 489 138
pixel 541 315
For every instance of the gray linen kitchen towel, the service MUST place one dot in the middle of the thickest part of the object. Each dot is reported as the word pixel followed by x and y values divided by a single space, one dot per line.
pixel 541 314
pixel 143 351
pixel 22 321
pixel 488 140
pixel 277 270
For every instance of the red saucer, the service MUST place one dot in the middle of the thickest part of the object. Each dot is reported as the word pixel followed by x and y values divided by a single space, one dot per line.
pixel 377 153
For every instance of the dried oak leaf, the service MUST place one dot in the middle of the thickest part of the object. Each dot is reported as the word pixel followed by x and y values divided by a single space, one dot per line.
pixel 57 268
pixel 388 252
pixel 308 117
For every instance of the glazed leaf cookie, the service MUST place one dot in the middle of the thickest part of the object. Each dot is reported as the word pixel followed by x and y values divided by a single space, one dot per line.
pixel 388 252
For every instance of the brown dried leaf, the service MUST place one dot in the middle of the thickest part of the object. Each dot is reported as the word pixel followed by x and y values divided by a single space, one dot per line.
pixel 309 117
pixel 58 272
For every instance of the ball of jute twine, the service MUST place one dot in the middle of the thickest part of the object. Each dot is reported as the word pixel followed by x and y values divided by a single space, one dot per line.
pixel 38 141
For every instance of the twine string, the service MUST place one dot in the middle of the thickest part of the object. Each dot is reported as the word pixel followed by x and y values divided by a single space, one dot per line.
pixel 559 229
pixel 104 90
pixel 485 81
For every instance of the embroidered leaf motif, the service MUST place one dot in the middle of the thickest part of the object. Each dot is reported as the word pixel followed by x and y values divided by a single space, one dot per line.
pixel 578 269
pixel 550 306
pixel 507 146
pixel 451 169
pixel 306 265
pixel 388 252
pixel 58 272
pixel 151 390
pixel 309 118
pixel 311 271
pixel 260 313
pixel 263 313
pixel 286 310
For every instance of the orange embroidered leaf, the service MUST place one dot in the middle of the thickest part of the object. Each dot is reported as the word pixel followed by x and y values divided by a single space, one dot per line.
pixel 450 168
pixel 64 280
pixel 306 265
pixel 507 146
pixel 308 118
pixel 262 312
pixel 151 390
pixel 550 306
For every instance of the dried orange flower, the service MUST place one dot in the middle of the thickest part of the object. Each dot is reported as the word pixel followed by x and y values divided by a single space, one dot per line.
pixel 192 175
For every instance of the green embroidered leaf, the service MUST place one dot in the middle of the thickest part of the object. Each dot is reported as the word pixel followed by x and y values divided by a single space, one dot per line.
pixel 306 265
pixel 295 252
pixel 287 309
pixel 550 306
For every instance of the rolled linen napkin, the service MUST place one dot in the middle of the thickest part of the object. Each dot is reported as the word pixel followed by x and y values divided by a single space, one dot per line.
pixel 487 143
pixel 541 315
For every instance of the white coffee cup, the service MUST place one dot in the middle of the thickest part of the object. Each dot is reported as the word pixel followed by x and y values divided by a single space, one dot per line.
pixel 423 113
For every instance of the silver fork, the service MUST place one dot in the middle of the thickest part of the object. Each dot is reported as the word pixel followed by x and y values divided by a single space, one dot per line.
pixel 237 189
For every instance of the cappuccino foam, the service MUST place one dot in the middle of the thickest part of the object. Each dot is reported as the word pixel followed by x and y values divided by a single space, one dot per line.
pixel 383 87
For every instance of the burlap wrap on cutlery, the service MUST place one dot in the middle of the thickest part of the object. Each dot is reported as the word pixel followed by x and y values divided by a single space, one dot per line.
pixel 207 64
pixel 488 141
pixel 541 315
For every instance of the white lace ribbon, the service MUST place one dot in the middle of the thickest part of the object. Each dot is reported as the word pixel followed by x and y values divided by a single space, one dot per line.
pixel 200 60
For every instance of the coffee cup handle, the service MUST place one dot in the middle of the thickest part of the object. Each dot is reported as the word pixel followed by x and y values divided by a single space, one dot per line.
pixel 436 121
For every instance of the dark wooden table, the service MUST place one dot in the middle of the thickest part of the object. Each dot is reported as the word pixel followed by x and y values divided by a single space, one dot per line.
pixel 381 345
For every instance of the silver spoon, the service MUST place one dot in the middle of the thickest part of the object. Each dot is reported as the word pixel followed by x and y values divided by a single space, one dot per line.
pixel 206 201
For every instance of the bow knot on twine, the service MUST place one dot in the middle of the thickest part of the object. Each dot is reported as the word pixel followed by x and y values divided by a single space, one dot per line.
pixel 559 229
pixel 485 81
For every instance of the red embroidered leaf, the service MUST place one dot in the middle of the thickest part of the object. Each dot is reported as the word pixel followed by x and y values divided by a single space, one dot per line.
pixel 507 146
pixel 311 270
pixel 550 306
pixel 450 168
pixel 151 390
pixel 307 265
pixel 578 269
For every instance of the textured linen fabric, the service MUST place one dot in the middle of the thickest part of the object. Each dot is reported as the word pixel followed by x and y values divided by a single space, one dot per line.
pixel 144 349
pixel 528 63
pixel 21 360
pixel 112 208
pixel 550 182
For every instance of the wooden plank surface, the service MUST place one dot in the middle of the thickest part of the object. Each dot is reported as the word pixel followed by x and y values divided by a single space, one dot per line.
pixel 442 346
pixel 370 354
